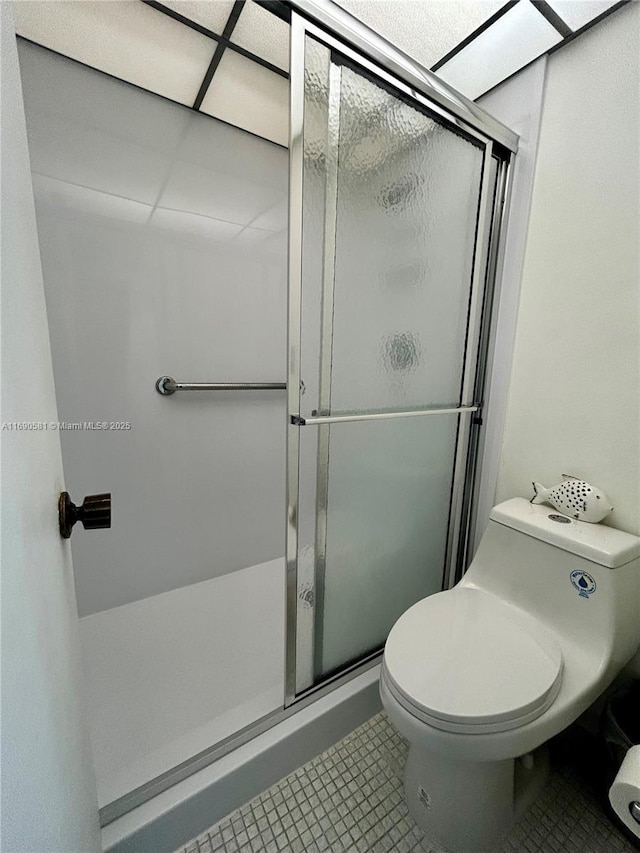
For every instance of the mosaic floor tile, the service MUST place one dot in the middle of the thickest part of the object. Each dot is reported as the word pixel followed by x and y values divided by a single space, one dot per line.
pixel 349 799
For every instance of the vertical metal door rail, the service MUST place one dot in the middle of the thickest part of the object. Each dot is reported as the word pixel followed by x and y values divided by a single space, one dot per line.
pixel 482 236
pixel 490 315
pixel 296 172
pixel 326 354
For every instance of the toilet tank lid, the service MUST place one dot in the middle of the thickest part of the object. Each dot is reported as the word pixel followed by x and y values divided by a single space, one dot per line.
pixel 596 542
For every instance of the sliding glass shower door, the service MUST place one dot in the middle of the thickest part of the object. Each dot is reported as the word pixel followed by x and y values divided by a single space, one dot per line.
pixel 388 259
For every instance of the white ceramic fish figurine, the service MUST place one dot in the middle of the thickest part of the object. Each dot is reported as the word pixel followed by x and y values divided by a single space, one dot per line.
pixel 575 498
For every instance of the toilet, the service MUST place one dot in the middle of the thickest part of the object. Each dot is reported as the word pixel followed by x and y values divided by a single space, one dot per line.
pixel 479 677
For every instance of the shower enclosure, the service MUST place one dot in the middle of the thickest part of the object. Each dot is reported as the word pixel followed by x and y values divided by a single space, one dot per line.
pixel 251 319
pixel 389 244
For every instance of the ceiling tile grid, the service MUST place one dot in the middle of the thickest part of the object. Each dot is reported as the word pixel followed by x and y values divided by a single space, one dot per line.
pixel 212 14
pixel 124 38
pixel 519 36
pixel 247 95
pixel 578 13
pixel 229 58
pixel 424 30
pixel 264 34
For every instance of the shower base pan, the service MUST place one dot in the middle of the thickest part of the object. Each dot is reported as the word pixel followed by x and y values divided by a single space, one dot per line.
pixel 170 819
pixel 172 675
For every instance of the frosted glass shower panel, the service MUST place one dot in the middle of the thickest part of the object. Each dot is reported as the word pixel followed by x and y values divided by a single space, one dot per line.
pixel 381 531
pixel 384 324
pixel 317 254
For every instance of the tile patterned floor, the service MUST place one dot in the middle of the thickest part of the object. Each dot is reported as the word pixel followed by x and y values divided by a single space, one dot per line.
pixel 350 800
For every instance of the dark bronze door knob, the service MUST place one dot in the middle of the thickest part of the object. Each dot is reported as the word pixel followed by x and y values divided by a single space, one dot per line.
pixel 94 513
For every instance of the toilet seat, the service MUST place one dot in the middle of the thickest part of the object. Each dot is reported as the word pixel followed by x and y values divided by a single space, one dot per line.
pixel 466 661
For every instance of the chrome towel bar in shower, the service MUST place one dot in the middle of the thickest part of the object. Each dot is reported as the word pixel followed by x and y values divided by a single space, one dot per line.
pixel 166 385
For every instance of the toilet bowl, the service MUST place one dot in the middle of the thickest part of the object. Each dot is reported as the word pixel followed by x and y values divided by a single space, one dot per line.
pixel 478 678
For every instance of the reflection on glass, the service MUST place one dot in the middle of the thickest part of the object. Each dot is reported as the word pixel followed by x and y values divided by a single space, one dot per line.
pixel 103 148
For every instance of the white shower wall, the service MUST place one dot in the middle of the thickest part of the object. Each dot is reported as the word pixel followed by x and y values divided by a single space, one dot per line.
pixel 163 242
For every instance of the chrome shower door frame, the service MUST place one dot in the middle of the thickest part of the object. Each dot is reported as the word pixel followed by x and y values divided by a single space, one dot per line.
pixel 380 60
pixel 334 26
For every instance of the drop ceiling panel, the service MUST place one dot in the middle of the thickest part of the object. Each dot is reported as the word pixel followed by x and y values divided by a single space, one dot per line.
pixel 193 224
pixel 249 96
pixel 125 38
pixel 53 195
pixel 273 243
pixel 214 193
pixel 275 218
pixel 236 153
pixel 91 130
pixel 276 244
pixel 57 86
pixel 251 237
pixel 264 34
pixel 212 14
pixel 577 13
pixel 73 152
pixel 427 31
pixel 519 36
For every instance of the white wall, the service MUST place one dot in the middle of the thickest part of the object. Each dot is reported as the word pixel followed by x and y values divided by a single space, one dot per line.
pixel 163 244
pixel 49 800
pixel 573 404
pixel 517 103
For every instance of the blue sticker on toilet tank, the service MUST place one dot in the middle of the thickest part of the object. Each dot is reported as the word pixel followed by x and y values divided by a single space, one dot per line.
pixel 583 582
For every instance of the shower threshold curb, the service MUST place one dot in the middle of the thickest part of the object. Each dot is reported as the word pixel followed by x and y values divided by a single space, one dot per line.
pixel 178 814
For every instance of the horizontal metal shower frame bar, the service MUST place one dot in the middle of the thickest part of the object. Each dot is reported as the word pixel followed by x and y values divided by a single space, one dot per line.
pixel 296 420
pixel 417 81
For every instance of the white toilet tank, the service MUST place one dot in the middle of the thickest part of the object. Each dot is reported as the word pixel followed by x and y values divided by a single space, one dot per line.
pixel 581 580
